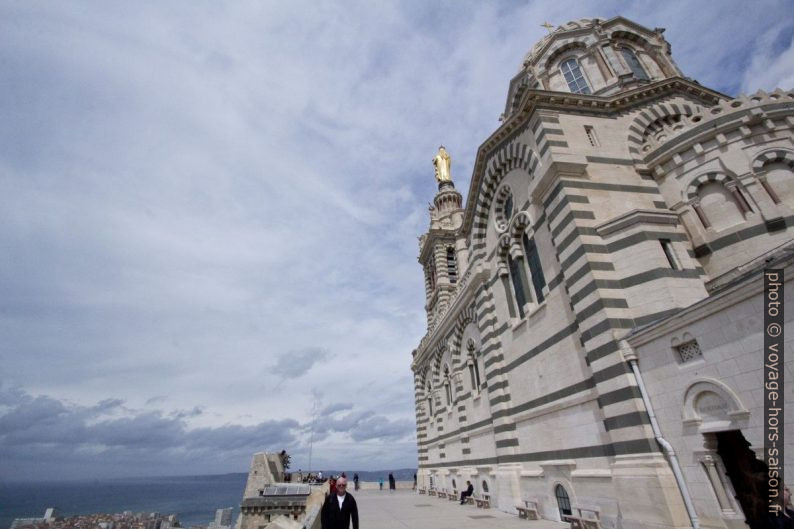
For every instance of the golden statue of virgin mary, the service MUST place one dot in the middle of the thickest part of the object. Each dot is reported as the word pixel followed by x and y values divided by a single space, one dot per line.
pixel 443 164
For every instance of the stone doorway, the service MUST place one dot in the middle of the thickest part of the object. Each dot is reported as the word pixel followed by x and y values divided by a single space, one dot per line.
pixel 747 474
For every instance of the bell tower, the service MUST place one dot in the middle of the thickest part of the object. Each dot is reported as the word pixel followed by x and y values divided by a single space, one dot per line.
pixel 442 251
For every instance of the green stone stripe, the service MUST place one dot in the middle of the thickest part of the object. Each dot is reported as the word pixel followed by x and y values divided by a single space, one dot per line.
pixel 631 281
pixel 626 420
pixel 545 344
pixel 546 399
pixel 619 395
pixel 504 443
pixel 502 428
pixel 637 446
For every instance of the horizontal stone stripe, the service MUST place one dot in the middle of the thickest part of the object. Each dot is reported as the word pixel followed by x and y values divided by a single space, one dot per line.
pixel 632 281
pixel 658 204
pixel 587 184
pixel 462 418
pixel 619 395
pixel 601 304
pixel 491 360
pixel 643 236
pixel 556 281
pixel 551 215
pixel 555 191
pixel 577 232
pixel 501 428
pixel 611 372
pixel 466 451
pixel 584 248
pixel 742 235
pixel 636 446
pixel 624 421
pixel 494 333
pixel 546 399
pixel 463 429
pixel 490 348
pixel 579 199
pixel 612 161
pixel 498 385
pixel 602 351
pixel 499 399
pixel 504 443
pixel 590 266
pixel 548 119
pixel 554 132
pixel 545 344
pixel 625 323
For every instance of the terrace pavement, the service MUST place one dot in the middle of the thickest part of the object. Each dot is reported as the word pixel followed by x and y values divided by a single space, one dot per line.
pixel 405 509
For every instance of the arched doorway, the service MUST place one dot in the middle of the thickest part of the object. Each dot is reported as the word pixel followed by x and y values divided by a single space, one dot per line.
pixel 747 474
pixel 563 501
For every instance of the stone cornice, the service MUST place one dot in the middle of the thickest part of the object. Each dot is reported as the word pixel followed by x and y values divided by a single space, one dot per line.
pixel 636 216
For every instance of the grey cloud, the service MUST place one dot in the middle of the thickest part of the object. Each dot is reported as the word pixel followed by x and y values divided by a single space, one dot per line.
pixel 336 407
pixel 37 425
pixel 293 364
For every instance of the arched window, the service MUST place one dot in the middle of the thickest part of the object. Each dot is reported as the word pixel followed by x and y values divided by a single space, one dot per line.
pixel 429 400
pixel 574 77
pixel 452 266
pixel 474 367
pixel 519 285
pixel 535 269
pixel 633 63
pixel 563 501
pixel 448 385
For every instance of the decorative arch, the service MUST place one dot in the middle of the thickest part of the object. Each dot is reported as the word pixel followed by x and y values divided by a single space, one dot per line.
pixel 692 190
pixel 774 156
pixel 564 48
pixel 515 155
pixel 519 225
pixel 466 316
pixel 622 36
pixel 502 195
pixel 707 400
pixel 437 355
pixel 643 123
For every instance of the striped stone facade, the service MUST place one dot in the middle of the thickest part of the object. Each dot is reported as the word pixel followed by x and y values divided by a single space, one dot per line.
pixel 589 215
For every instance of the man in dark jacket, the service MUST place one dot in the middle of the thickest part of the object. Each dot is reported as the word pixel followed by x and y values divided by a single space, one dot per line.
pixel 339 508
pixel 466 493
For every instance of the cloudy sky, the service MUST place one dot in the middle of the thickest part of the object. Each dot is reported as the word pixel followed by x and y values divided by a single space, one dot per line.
pixel 209 213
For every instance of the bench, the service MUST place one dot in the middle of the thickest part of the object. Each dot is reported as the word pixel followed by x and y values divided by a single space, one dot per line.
pixel 431 492
pixel 529 511
pixel 585 517
pixel 422 491
pixel 470 500
pixel 483 502
pixel 453 496
pixel 441 494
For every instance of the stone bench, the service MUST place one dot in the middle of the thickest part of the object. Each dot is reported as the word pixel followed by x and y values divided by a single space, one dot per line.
pixel 470 500
pixel 483 502
pixel 431 492
pixel 529 511
pixel 453 496
pixel 441 494
pixel 422 491
pixel 585 517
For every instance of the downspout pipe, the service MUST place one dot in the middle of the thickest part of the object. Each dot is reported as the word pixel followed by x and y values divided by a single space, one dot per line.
pixel 657 432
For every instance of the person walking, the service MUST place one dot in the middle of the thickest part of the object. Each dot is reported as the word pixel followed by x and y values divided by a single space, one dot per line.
pixel 392 483
pixel 339 509
pixel 355 481
pixel 381 483
pixel 414 481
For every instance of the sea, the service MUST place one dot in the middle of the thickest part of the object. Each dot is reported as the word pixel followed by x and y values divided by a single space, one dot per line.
pixel 193 499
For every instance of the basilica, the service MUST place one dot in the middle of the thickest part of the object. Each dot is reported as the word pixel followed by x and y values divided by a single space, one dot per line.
pixel 594 309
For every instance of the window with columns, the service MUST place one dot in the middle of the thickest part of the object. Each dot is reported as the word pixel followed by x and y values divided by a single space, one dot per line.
pixel 474 367
pixel 633 62
pixel 448 385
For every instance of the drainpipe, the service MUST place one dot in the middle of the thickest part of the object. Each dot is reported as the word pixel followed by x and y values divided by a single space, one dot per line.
pixel 631 356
